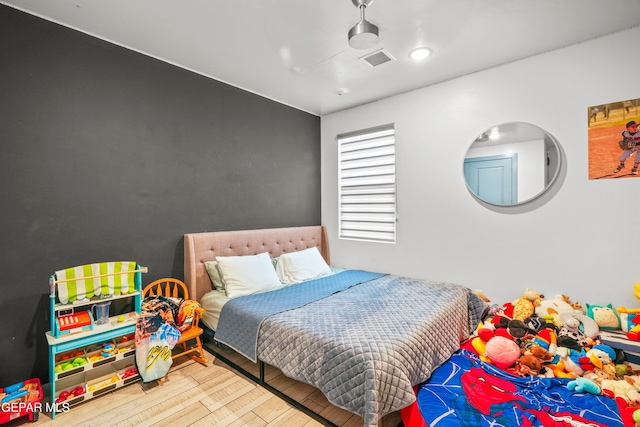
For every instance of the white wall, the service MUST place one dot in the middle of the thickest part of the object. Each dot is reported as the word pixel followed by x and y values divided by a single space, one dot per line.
pixel 581 239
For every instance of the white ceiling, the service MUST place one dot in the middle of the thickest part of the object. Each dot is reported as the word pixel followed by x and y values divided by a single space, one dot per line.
pixel 296 51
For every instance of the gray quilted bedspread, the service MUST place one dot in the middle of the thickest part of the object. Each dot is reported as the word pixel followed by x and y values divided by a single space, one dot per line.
pixel 240 318
pixel 365 347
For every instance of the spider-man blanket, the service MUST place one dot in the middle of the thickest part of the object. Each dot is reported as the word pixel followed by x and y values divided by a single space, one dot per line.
pixel 468 392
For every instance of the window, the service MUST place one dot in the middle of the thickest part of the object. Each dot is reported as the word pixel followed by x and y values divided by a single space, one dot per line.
pixel 367 185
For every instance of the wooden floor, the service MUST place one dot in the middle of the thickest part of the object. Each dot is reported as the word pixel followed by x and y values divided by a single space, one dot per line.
pixel 195 395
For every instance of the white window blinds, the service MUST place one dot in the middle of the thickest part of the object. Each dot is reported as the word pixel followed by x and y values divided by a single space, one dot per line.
pixel 367 185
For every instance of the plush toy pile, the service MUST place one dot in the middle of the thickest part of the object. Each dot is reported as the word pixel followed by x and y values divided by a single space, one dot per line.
pixel 557 338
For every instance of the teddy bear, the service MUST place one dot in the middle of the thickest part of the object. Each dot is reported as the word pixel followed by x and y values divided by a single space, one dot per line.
pixel 528 365
pixel 532 361
pixel 525 306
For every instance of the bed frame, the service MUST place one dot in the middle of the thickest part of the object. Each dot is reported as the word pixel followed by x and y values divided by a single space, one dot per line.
pixel 202 247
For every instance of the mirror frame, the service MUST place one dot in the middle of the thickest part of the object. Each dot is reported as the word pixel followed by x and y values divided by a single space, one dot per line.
pixel 550 142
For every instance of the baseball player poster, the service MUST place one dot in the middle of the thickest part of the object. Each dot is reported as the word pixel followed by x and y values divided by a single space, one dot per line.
pixel 614 140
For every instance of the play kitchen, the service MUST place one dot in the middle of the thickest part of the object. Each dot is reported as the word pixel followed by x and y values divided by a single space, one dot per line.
pixel 81 321
pixel 92 337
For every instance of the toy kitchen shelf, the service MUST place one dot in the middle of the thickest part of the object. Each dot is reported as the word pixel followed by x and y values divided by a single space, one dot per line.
pixel 97 358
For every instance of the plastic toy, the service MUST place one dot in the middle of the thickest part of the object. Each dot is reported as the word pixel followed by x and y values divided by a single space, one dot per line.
pixel 130 372
pixel 29 391
pixel 108 349
pixel 70 394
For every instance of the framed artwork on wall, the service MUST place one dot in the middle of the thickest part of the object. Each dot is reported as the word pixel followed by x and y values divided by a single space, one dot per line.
pixel 614 140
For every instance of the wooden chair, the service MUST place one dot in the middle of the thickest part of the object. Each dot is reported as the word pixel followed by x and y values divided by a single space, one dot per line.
pixel 175 288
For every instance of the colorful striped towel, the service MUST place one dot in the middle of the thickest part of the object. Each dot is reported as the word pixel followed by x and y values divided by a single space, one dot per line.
pixel 77 287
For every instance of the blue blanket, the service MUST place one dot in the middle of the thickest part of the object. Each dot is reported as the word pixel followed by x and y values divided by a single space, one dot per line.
pixel 240 318
pixel 465 392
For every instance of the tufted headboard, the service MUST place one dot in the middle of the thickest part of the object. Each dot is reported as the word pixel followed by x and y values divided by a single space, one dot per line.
pixel 202 247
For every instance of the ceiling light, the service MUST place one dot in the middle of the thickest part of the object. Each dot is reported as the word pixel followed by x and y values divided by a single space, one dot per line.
pixel 364 34
pixel 420 53
pixel 494 135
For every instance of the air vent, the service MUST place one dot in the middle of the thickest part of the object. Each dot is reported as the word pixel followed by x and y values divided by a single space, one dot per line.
pixel 378 57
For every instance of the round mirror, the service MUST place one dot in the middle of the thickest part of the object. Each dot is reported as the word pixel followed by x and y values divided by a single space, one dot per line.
pixel 511 164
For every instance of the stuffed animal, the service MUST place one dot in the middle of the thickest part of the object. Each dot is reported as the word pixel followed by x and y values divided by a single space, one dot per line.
pixel 598 357
pixel 547 338
pixel 587 325
pixel 569 334
pixel 570 359
pixel 607 372
pixel 605 316
pixel 509 328
pixel 630 323
pixel 583 385
pixel 528 365
pixel 576 305
pixel 502 352
pixel 525 306
pixel 622 388
pixel 481 295
pixel 554 307
pixel 539 352
pixel 532 361
pixel 559 370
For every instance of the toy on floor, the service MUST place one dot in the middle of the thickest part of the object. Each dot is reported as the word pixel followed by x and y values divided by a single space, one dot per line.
pixel 583 385
pixel 555 307
pixel 604 315
pixel 525 306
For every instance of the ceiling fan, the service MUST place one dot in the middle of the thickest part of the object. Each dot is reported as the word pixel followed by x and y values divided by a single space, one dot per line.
pixel 364 34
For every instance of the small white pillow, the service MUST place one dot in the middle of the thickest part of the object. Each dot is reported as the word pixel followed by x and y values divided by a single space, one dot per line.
pixel 296 267
pixel 246 275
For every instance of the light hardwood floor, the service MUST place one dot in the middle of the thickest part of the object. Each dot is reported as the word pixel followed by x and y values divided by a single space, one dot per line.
pixel 195 395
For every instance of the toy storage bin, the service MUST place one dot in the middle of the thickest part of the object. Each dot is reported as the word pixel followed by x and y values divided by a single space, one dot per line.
pixel 101 380
pixel 70 362
pixel 101 353
pixel 126 344
pixel 126 370
pixel 32 397
pixel 68 385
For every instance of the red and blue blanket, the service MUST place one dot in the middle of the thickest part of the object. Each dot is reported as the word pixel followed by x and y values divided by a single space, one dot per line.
pixel 467 392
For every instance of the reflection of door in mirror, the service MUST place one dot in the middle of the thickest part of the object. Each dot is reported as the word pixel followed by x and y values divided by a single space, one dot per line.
pixel 531 171
pixel 493 178
pixel 537 165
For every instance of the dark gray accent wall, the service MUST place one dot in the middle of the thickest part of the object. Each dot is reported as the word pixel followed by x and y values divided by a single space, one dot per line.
pixel 107 155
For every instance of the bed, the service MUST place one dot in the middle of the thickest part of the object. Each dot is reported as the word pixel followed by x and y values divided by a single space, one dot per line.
pixel 363 338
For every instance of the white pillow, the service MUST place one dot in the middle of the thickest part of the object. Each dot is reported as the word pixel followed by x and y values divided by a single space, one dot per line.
pixel 296 267
pixel 246 275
